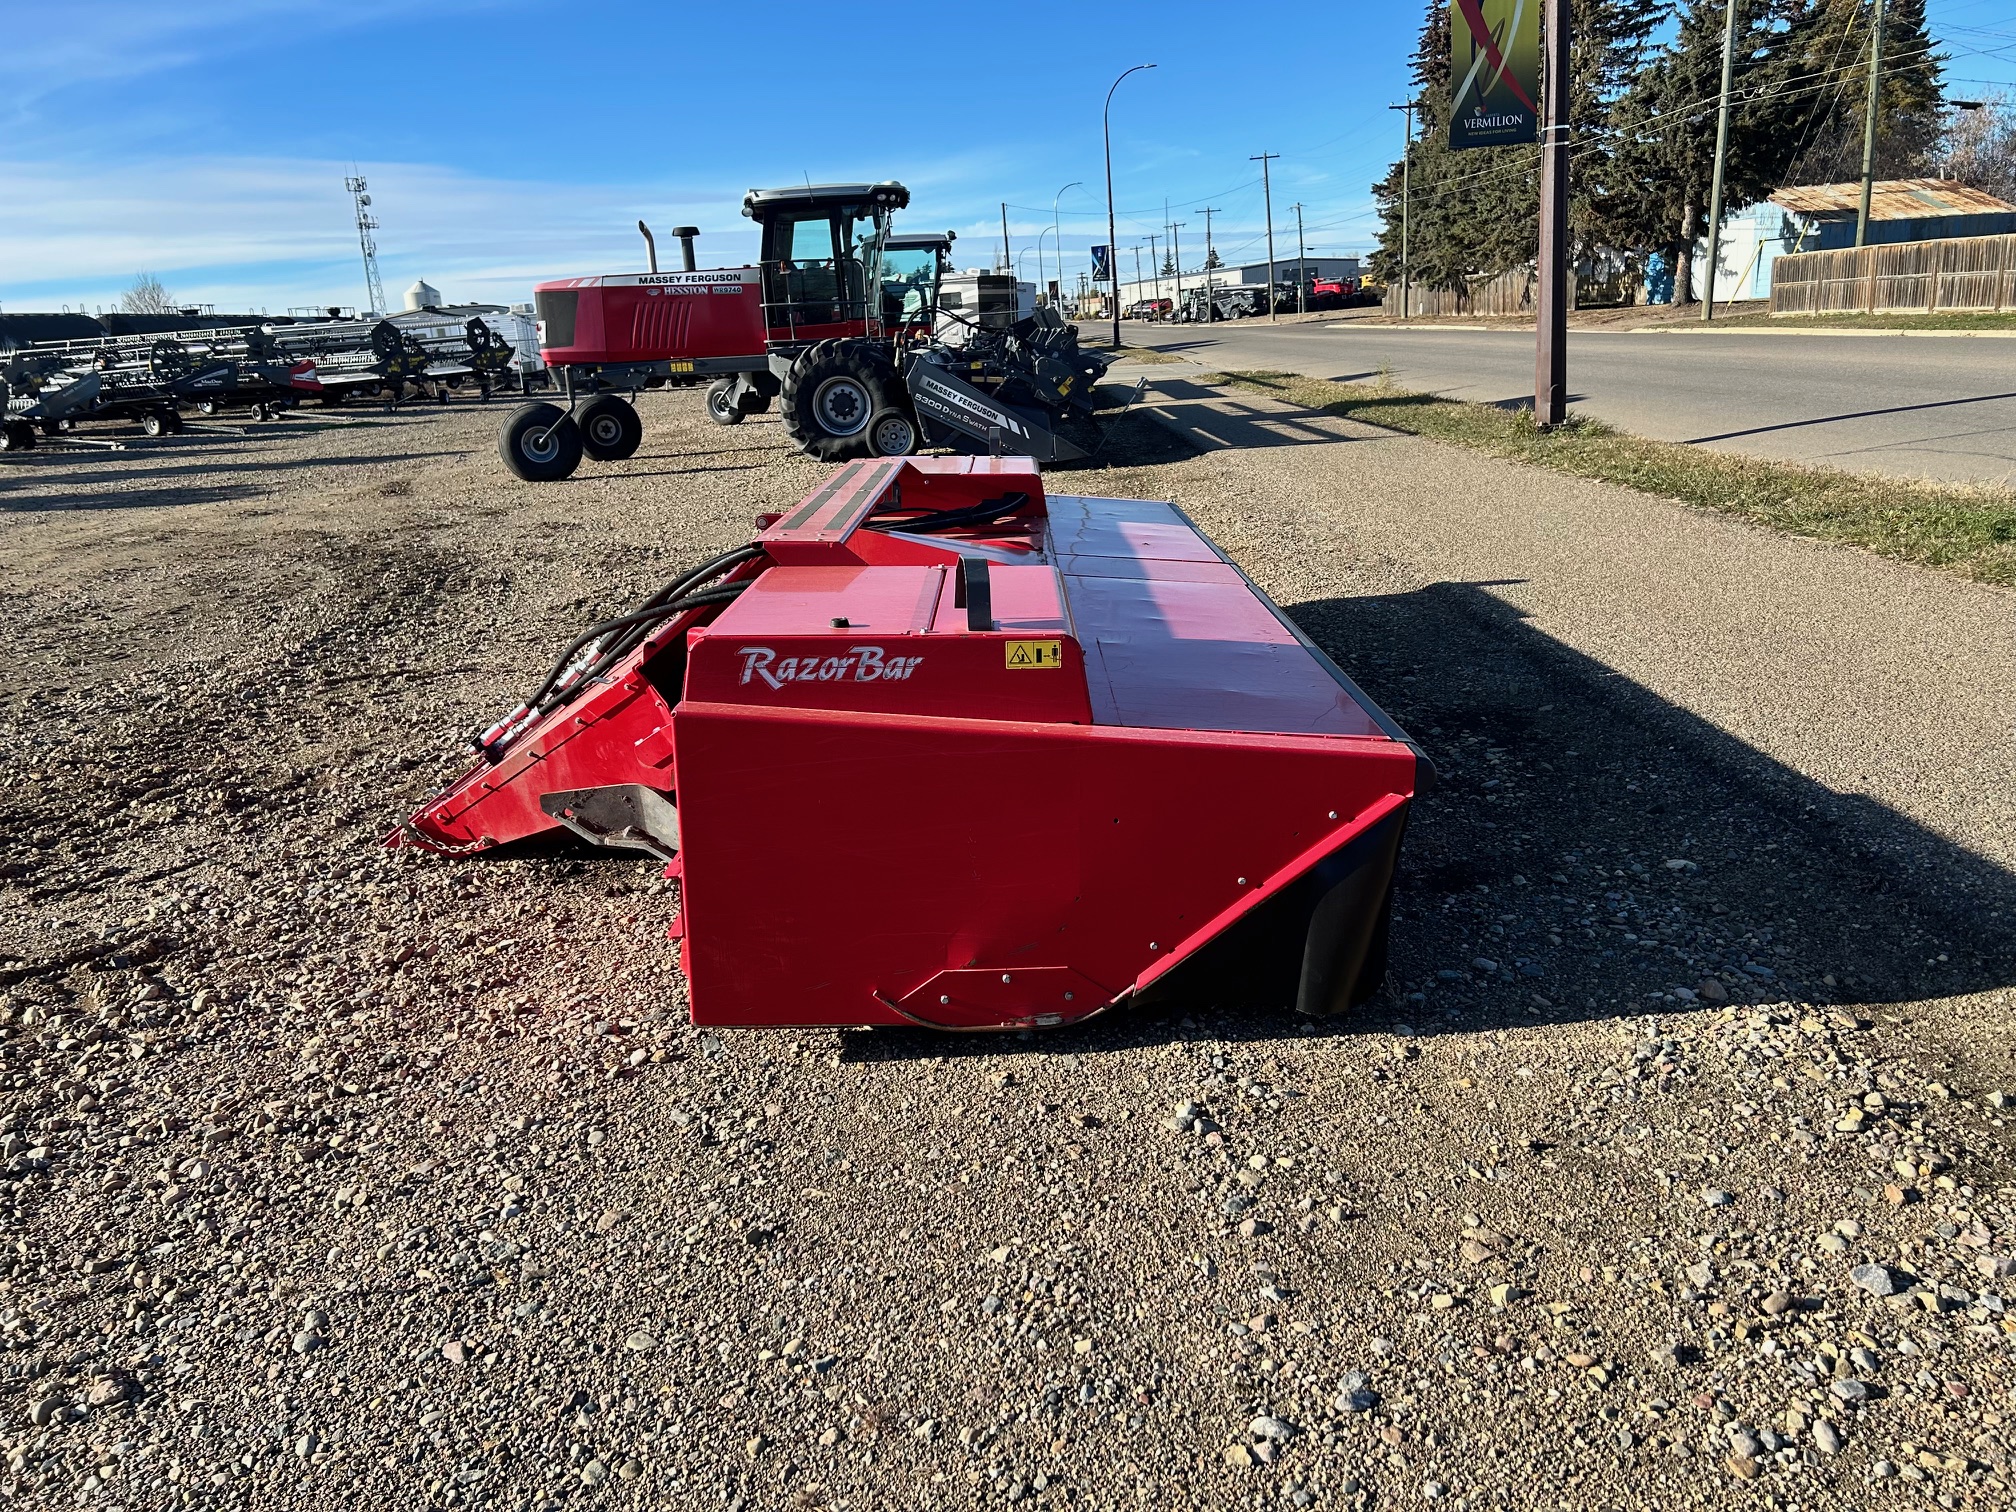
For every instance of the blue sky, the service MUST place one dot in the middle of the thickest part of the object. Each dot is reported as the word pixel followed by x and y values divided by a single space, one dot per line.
pixel 508 141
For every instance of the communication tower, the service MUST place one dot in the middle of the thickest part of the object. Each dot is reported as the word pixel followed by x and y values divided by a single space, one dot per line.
pixel 366 224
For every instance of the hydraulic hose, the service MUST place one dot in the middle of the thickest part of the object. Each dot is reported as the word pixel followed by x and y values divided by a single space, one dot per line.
pixel 615 638
pixel 986 511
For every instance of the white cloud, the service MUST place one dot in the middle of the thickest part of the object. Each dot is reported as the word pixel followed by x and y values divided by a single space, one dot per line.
pixel 276 231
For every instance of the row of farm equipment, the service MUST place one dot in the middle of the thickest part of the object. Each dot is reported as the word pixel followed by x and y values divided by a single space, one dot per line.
pixel 58 373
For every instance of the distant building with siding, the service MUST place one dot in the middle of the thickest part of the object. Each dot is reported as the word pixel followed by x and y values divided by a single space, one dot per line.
pixel 1821 218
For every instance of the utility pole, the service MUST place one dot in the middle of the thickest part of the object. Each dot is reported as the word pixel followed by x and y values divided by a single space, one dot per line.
pixel 1301 272
pixel 1155 263
pixel 1137 273
pixel 1550 357
pixel 1721 156
pixel 1406 194
pixel 1267 189
pixel 1210 307
pixel 1869 126
pixel 1007 257
pixel 1176 257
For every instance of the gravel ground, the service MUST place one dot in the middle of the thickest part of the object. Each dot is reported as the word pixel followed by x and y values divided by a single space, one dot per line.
pixel 1673 1166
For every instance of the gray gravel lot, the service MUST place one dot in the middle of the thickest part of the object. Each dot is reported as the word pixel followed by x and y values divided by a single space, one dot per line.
pixel 1673 1166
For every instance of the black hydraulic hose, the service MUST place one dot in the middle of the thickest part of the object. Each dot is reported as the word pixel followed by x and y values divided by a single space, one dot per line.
pixel 678 588
pixel 726 593
pixel 986 511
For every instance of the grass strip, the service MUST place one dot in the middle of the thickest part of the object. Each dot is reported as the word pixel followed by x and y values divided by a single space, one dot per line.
pixel 1897 320
pixel 1965 529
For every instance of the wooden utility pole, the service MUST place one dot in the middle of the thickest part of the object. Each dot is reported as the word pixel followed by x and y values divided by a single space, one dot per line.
pixel 1007 257
pixel 1210 306
pixel 1406 194
pixel 1721 156
pixel 1267 188
pixel 1301 272
pixel 1176 257
pixel 1869 126
pixel 1550 358
pixel 1155 262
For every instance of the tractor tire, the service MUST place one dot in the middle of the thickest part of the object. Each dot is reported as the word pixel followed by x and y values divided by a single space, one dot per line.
pixel 610 429
pixel 17 435
pixel 540 443
pixel 892 433
pixel 721 407
pixel 833 394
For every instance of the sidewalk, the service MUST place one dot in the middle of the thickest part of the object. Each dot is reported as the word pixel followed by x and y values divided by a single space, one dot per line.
pixel 1869 677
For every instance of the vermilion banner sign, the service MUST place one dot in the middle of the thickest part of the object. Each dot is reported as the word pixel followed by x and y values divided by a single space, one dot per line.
pixel 1495 70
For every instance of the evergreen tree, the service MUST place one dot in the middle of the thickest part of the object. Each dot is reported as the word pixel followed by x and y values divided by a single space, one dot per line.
pixel 1834 66
pixel 1476 212
pixel 1666 125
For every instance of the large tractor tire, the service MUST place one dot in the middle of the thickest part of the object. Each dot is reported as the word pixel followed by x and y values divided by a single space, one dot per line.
pixel 610 429
pixel 721 406
pixel 540 444
pixel 834 393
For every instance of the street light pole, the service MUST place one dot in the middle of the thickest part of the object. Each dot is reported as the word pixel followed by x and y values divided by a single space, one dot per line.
pixel 1301 272
pixel 1869 126
pixel 1057 240
pixel 1721 156
pixel 1112 235
pixel 1267 189
pixel 1406 195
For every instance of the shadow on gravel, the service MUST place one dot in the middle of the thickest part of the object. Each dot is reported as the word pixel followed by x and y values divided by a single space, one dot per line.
pixel 241 464
pixel 1535 883
pixel 169 497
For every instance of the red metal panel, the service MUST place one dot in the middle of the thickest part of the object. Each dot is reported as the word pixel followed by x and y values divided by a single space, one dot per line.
pixel 1001 847
pixel 656 317
pixel 778 646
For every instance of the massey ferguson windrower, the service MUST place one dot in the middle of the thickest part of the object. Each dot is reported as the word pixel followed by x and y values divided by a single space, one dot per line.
pixel 937 749
pixel 845 325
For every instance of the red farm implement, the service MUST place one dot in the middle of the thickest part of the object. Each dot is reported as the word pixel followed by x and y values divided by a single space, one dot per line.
pixel 938 749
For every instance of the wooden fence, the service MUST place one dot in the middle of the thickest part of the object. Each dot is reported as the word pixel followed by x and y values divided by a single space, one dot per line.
pixel 1509 293
pixel 1958 273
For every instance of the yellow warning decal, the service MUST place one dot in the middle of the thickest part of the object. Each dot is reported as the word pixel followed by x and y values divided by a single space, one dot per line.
pixel 1026 656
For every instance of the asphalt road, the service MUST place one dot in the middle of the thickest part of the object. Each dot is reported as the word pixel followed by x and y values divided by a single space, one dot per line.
pixel 1910 406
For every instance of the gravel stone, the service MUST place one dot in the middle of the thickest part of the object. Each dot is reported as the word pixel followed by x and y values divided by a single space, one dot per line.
pixel 262 1077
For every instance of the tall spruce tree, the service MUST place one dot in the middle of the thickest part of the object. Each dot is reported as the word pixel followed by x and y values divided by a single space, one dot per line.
pixel 1834 66
pixel 1476 212
pixel 1666 125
